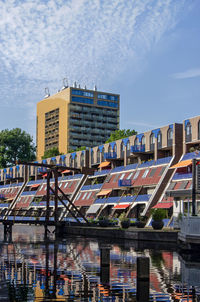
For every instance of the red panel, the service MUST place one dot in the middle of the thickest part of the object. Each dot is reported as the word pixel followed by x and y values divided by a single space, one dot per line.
pixel 24 202
pixel 85 202
pixel 121 206
pixel 163 205
pixel 177 185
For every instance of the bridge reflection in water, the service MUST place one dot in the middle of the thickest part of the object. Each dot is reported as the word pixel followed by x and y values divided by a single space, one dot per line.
pixel 77 269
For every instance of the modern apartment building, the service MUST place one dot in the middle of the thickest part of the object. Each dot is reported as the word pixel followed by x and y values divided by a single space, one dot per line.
pixel 76 117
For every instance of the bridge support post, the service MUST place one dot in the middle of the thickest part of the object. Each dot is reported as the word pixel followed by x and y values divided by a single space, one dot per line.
pixel 105 263
pixel 142 279
pixel 7 232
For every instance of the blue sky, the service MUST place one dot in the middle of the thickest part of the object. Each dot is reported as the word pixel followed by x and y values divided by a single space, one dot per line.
pixel 148 51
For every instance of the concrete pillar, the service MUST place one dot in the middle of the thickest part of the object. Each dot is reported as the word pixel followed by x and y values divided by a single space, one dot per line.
pixel 105 263
pixel 142 279
pixel 125 156
pixel 156 149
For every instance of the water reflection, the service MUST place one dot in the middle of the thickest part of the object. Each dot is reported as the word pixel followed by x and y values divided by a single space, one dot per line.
pixel 70 270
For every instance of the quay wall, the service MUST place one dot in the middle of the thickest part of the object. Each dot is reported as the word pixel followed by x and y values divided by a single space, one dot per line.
pixel 146 235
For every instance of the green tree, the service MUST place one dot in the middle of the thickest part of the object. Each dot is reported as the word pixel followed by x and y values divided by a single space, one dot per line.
pixel 77 149
pixel 51 152
pixel 118 134
pixel 15 144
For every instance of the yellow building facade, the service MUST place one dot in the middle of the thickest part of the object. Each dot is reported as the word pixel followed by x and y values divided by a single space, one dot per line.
pixel 75 117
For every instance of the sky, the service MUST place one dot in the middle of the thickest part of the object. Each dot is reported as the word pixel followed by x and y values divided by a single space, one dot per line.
pixel 148 51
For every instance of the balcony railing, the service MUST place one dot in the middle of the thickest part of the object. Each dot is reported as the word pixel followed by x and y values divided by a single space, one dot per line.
pixel 189 226
pixel 138 148
pixel 110 155
pixel 124 182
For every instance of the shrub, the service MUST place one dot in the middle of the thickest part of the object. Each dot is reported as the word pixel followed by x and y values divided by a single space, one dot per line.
pixel 158 214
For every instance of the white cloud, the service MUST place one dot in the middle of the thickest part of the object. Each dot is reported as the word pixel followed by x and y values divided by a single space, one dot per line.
pixel 43 41
pixel 188 74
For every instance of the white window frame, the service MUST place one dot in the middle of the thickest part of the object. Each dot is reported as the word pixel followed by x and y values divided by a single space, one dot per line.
pixel 65 186
pixel 136 174
pixel 89 195
pixel 122 176
pixel 84 195
pixel 145 173
pixel 130 175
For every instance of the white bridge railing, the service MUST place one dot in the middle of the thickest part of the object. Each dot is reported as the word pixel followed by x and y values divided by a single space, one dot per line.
pixel 190 226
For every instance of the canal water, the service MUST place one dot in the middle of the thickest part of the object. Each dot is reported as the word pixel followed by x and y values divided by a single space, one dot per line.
pixel 32 269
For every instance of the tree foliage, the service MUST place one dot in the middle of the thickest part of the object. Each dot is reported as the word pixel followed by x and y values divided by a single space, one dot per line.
pixel 15 144
pixel 51 152
pixel 77 149
pixel 119 134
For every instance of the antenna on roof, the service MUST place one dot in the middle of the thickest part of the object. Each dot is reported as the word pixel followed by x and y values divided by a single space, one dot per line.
pixel 47 94
pixel 65 84
pixel 75 85
pixel 85 87
pixel 95 87
pixel 79 86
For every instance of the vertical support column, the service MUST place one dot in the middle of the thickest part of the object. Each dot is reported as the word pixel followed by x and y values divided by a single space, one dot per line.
pixel 193 187
pixel 142 279
pixel 47 204
pixel 56 198
pixel 156 149
pixel 55 269
pixel 125 156
pixel 105 263
pixel 47 270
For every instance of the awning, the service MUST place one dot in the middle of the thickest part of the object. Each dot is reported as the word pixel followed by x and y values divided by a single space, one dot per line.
pixel 183 163
pixel 163 205
pixel 35 186
pixel 104 192
pixel 93 208
pixel 66 171
pixel 44 175
pixel 121 206
pixel 104 164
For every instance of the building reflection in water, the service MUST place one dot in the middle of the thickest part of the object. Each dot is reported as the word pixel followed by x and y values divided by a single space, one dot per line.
pixel 79 270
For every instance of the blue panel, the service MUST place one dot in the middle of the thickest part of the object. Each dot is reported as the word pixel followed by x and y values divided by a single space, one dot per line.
pixel 4 170
pixel 53 158
pixel 44 161
pixel 17 167
pixel 101 148
pixel 171 126
pixel 110 155
pixel 186 122
pixel 147 164
pixel 124 182
pixel 106 103
pixel 83 152
pixel 112 144
pixel 91 151
pixel 82 100
pixel 62 157
pixel 164 160
pixel 103 172
pixel 125 141
pixel 11 169
pixel 73 155
pixel 156 131
pixel 91 187
pixel 83 93
pixel 139 136
pixel 191 155
pixel 144 197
